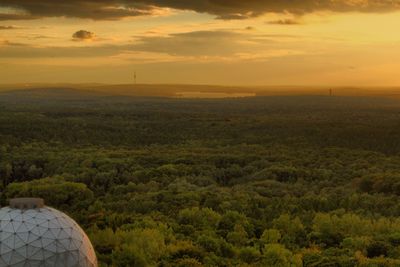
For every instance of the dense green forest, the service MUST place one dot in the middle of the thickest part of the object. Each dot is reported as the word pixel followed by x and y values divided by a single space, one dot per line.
pixel 262 181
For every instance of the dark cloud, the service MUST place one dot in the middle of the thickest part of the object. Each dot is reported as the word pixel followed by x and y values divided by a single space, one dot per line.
pixel 285 22
pixel 12 27
pixel 93 9
pixel 7 16
pixel 41 37
pixel 83 35
pixel 223 9
pixel 240 9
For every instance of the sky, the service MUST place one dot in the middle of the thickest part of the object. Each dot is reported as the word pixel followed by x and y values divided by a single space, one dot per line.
pixel 222 42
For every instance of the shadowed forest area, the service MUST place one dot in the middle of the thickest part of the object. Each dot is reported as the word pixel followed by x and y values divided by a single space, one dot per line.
pixel 258 181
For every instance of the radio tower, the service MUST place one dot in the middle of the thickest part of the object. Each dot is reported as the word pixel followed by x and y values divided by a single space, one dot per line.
pixel 134 77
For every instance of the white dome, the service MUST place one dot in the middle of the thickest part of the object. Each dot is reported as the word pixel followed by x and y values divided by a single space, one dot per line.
pixel 41 237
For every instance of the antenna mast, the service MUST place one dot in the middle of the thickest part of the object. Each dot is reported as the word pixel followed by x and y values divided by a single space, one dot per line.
pixel 134 77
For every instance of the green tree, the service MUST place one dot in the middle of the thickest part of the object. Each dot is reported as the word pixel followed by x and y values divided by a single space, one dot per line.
pixel 128 256
pixel 270 236
pixel 55 191
pixel 238 236
pixel 276 255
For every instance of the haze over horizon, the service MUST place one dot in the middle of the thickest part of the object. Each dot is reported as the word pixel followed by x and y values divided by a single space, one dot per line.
pixel 242 43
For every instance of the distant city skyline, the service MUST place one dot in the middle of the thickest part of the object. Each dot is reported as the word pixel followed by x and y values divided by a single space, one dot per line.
pixel 327 43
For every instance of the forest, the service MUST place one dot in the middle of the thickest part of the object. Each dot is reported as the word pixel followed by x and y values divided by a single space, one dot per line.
pixel 276 181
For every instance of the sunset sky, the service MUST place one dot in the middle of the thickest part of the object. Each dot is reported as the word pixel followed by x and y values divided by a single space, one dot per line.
pixel 228 42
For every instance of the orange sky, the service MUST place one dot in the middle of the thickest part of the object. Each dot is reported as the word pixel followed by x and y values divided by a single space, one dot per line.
pixel 353 42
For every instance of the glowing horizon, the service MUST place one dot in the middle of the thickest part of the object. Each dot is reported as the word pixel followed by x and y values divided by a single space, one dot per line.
pixel 351 44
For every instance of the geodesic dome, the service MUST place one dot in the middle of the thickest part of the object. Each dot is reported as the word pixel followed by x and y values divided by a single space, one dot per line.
pixel 33 235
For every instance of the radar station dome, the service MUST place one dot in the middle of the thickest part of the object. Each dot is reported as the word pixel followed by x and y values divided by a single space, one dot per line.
pixel 34 235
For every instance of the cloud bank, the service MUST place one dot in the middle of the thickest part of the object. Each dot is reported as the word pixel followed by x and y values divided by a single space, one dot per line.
pixel 222 9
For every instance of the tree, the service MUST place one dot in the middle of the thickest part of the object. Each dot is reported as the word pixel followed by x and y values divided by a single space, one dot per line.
pixel 275 255
pixel 270 236
pixel 238 236
pixel 55 191
pixel 128 256
pixel 249 255
pixel 291 230
pixel 5 173
pixel 200 218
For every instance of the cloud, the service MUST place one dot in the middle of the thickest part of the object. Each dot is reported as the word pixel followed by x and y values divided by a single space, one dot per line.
pixel 93 9
pixel 26 51
pixel 12 27
pixel 83 35
pixel 240 9
pixel 196 43
pixel 218 45
pixel 222 9
pixel 4 16
pixel 201 46
pixel 38 36
pixel 285 22
pixel 7 43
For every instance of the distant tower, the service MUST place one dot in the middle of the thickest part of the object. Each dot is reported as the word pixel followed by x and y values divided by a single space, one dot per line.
pixel 330 92
pixel 134 77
